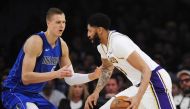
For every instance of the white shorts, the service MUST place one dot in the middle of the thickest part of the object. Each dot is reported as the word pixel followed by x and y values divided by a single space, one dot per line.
pixel 157 96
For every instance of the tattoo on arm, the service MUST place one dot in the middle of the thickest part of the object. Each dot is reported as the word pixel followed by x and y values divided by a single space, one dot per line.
pixel 105 76
pixel 107 69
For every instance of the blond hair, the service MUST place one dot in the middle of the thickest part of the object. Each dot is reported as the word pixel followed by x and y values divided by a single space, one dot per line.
pixel 84 94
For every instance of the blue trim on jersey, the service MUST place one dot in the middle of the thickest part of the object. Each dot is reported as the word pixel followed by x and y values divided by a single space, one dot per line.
pixel 46 62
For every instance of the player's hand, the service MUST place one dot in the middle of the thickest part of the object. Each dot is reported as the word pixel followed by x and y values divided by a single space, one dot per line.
pixel 64 72
pixel 135 101
pixel 91 101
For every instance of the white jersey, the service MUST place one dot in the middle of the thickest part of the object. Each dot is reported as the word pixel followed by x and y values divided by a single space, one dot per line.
pixel 118 49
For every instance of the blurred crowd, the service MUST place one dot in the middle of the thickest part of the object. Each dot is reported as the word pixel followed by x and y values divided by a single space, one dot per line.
pixel 161 28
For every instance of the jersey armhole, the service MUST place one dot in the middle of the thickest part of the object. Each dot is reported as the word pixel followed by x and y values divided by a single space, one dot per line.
pixel 60 47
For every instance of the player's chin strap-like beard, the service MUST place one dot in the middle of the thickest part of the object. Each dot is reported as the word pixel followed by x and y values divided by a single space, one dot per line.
pixel 95 41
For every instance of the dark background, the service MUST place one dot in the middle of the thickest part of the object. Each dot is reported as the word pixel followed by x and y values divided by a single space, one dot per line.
pixel 157 26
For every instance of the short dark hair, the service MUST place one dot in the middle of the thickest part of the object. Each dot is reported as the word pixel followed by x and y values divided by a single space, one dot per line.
pixel 100 20
pixel 53 11
pixel 114 76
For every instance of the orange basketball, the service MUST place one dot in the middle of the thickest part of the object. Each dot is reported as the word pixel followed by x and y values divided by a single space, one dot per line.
pixel 120 103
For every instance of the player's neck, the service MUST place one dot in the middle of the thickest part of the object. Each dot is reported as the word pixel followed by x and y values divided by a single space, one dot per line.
pixel 50 38
pixel 104 38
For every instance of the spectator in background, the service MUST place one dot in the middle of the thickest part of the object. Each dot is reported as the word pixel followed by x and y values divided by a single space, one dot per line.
pixel 123 82
pixel 182 101
pixel 76 97
pixel 118 82
pixel 175 88
pixel 51 94
pixel 111 89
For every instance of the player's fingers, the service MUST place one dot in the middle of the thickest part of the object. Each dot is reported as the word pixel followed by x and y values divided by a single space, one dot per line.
pixel 64 72
pixel 134 107
pixel 126 99
pixel 90 103
pixel 69 73
pixel 86 106
pixel 95 101
pixel 130 107
pixel 87 103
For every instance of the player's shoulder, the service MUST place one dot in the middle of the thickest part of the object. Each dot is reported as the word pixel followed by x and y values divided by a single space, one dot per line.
pixel 119 40
pixel 63 43
pixel 64 47
pixel 116 36
pixel 35 39
pixel 33 45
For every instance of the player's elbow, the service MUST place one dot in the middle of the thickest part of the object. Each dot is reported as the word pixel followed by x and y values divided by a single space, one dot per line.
pixel 25 79
pixel 146 72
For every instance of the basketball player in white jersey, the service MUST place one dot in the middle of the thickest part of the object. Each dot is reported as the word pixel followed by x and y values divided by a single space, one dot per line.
pixel 151 83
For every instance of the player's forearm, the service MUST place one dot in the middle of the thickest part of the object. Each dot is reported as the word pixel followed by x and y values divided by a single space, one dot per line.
pixel 104 78
pixel 36 77
pixel 146 74
pixel 77 78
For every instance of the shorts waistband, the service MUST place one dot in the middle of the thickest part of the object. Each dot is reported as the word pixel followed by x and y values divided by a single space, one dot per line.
pixel 153 71
pixel 157 69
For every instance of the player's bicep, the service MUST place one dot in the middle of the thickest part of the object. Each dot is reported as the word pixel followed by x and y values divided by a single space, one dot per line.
pixel 64 61
pixel 28 63
pixel 136 61
pixel 31 52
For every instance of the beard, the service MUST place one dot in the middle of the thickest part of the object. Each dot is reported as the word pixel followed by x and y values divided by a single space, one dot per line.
pixel 95 41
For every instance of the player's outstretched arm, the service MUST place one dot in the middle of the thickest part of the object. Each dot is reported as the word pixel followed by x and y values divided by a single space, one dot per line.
pixel 32 49
pixel 107 69
pixel 76 78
